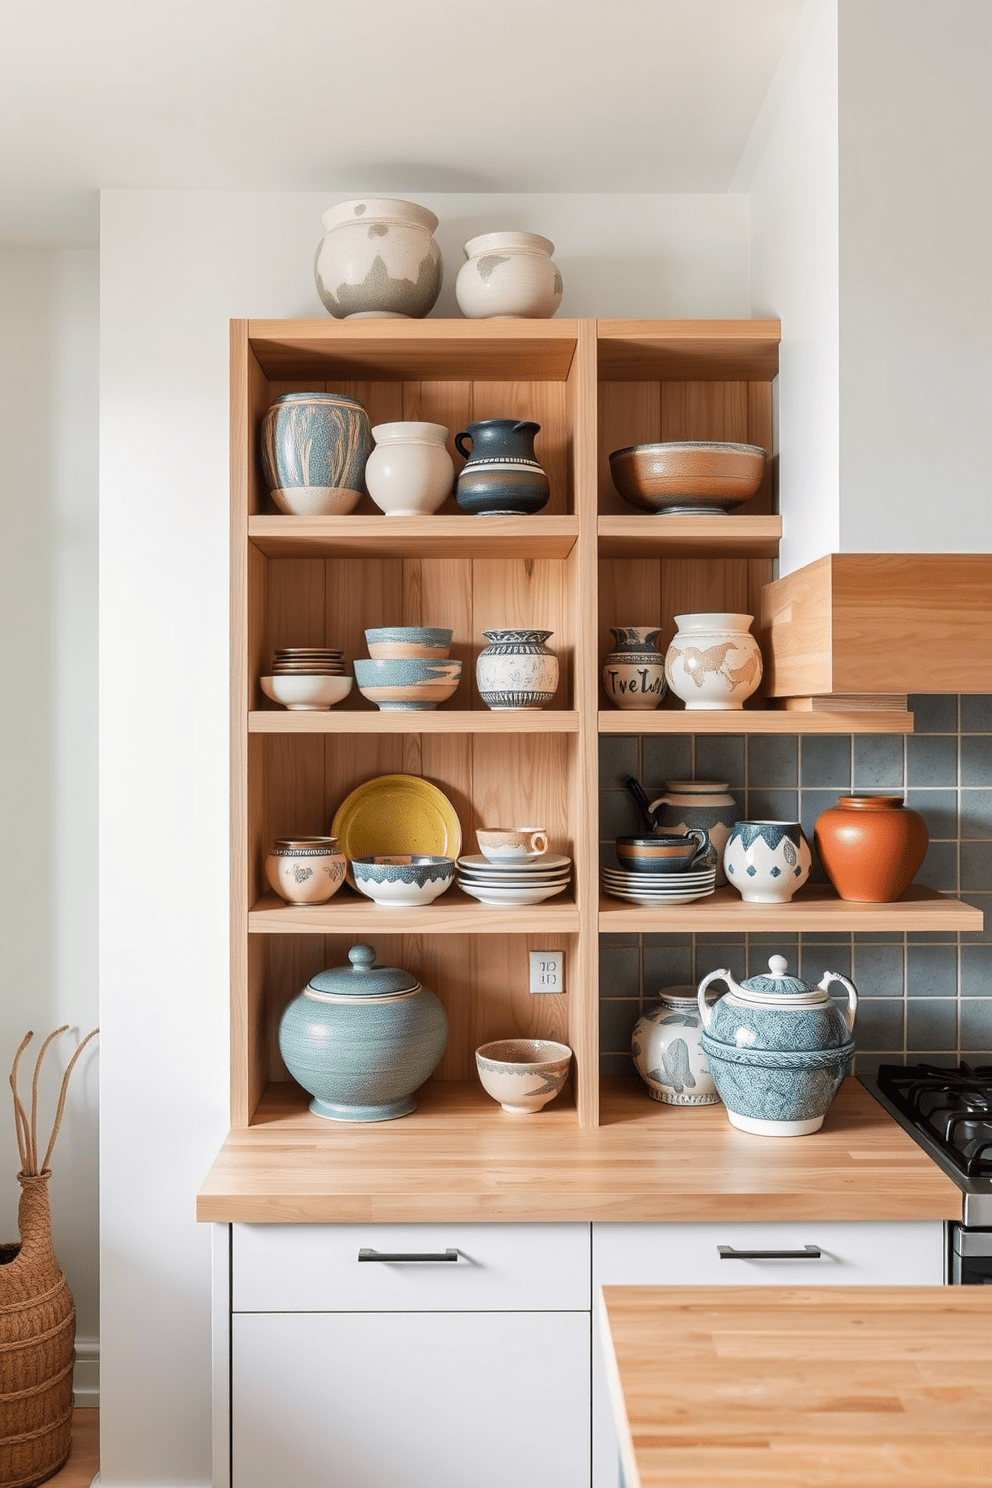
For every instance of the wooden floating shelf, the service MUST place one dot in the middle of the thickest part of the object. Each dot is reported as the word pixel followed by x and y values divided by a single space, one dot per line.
pixel 752 721
pixel 714 536
pixel 815 907
pixel 413 537
pixel 689 350
pixel 430 721
pixel 418 350
pixel 454 913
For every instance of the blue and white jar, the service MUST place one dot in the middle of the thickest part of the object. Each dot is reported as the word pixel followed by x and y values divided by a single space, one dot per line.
pixel 516 670
pixel 767 861
pixel 667 1051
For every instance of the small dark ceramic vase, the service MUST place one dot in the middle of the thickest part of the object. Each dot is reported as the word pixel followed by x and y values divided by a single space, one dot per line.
pixel 501 476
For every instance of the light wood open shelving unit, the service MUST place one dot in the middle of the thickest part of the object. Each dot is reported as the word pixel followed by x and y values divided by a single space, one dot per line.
pixel 577 568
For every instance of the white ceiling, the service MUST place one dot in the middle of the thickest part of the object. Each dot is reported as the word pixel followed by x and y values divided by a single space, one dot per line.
pixel 383 95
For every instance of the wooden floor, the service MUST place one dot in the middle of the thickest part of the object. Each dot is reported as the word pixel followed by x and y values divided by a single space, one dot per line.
pixel 84 1458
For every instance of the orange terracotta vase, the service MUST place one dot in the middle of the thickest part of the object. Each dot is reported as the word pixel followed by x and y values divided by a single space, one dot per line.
pixel 871 847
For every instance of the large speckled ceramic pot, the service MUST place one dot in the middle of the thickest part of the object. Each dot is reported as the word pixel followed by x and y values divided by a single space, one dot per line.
pixel 362 1038
pixel 378 260
pixel 314 448
pixel 777 1048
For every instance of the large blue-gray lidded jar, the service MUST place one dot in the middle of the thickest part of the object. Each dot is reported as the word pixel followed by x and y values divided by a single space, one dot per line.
pixel 378 260
pixel 501 476
pixel 362 1038
pixel 314 447
pixel 777 1048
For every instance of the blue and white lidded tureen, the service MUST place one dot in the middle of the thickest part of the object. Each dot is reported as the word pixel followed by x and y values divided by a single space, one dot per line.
pixel 777 1048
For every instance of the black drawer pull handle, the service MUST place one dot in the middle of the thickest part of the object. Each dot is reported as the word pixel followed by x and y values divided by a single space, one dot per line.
pixel 407 1255
pixel 808 1253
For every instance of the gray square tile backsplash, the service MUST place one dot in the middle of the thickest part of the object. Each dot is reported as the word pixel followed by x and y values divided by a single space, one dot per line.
pixel 921 996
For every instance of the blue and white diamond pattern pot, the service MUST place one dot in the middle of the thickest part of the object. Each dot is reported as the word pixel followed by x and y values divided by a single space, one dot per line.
pixel 767 861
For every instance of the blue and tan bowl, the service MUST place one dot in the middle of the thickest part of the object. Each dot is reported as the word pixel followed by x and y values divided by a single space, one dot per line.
pixel 403 879
pixel 410 682
pixel 431 642
pixel 663 854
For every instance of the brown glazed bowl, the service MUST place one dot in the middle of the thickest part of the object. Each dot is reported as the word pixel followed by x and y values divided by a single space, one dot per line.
pixel 688 476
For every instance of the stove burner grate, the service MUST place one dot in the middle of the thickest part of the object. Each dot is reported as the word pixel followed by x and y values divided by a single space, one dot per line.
pixel 953 1106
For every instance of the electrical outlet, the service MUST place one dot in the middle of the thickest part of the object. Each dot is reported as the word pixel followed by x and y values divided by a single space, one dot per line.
pixel 547 971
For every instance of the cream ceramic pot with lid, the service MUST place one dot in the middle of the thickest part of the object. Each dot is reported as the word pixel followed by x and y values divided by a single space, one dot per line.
pixel 777 1047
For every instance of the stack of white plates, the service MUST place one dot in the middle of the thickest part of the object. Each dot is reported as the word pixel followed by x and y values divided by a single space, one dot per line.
pixel 658 888
pixel 308 661
pixel 522 882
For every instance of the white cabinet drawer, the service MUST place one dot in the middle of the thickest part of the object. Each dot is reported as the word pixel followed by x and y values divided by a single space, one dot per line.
pixel 411 1400
pixel 889 1254
pixel 316 1268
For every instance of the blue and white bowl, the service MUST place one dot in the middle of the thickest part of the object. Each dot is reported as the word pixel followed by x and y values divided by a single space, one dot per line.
pixel 403 879
pixel 407 682
pixel 433 642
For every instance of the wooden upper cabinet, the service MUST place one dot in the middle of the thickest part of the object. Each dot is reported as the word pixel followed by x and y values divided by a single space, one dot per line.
pixel 880 623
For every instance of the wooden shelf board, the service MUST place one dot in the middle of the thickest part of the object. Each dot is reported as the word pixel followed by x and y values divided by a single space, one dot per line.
pixel 435 721
pixel 751 721
pixel 454 913
pixel 815 907
pixel 714 536
pixel 696 350
pixel 413 537
pixel 459 1157
pixel 424 350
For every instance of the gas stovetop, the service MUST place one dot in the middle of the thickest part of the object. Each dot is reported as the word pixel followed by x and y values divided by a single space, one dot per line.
pixel 949 1111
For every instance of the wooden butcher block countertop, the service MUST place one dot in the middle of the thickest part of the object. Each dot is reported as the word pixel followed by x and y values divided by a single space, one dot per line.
pixel 458 1160
pixel 787 1387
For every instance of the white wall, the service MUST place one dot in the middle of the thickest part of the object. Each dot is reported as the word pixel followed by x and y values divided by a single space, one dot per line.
pixel 790 169
pixel 915 277
pixel 175 267
pixel 48 745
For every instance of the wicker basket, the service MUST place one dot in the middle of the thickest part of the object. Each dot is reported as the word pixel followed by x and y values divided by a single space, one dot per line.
pixel 37 1316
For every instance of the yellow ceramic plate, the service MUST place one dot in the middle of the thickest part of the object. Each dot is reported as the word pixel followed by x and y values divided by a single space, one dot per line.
pixel 397 814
